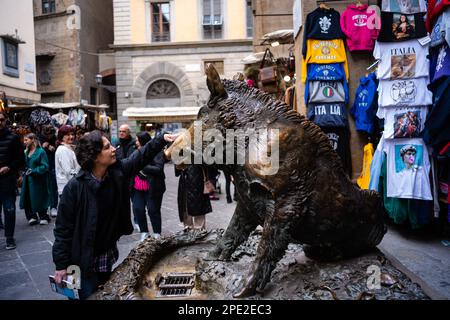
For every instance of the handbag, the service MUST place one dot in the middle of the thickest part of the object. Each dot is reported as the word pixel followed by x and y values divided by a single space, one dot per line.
pixel 208 187
pixel 268 75
pixel 140 184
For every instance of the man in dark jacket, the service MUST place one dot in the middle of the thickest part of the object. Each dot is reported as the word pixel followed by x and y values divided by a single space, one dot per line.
pixel 127 144
pixel 94 209
pixel 12 158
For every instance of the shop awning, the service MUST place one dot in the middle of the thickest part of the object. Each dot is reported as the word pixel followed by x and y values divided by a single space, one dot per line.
pixel 253 58
pixel 163 115
pixel 285 36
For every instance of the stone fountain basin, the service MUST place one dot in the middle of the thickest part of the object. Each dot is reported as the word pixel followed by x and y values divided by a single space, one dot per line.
pixel 295 277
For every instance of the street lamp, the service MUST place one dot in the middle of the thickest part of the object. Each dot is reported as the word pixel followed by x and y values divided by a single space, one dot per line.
pixel 98 80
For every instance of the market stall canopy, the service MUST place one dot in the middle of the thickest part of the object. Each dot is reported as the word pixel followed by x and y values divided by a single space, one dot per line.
pixel 253 58
pixel 163 115
pixel 60 105
pixel 285 36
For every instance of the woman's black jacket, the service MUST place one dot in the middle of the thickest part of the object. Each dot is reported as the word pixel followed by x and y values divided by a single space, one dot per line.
pixel 76 222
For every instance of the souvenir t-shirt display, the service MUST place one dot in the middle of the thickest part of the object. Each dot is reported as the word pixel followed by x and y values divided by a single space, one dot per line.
pixel 324 52
pixel 403 122
pixel 410 92
pixel 358 25
pixel 439 62
pixel 327 92
pixel 365 104
pixel 404 6
pixel 328 114
pixel 399 26
pixel 408 169
pixel 322 24
pixel 401 60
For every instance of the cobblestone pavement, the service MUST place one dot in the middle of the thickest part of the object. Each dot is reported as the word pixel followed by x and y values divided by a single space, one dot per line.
pixel 24 272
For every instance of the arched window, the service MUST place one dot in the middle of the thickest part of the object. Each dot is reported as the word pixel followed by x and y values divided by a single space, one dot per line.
pixel 163 93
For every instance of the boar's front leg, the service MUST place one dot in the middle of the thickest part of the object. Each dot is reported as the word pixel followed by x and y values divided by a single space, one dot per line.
pixel 272 246
pixel 241 224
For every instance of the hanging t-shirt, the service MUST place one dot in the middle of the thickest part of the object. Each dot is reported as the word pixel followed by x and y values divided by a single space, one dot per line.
pixel 408 169
pixel 437 35
pixel 322 24
pixel 324 52
pixel 328 114
pixel 326 72
pixel 404 122
pixel 364 179
pixel 340 141
pixel 400 27
pixel 327 92
pixel 439 62
pixel 404 6
pixel 401 60
pixel 407 92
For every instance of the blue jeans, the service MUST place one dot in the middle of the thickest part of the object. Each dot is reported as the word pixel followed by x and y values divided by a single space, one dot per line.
pixel 141 199
pixel 8 204
pixel 90 284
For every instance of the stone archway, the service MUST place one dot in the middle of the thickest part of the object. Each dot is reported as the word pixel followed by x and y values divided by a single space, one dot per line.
pixel 158 71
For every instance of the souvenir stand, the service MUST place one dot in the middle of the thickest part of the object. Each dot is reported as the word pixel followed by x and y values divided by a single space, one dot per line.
pixel 378 85
pixel 83 117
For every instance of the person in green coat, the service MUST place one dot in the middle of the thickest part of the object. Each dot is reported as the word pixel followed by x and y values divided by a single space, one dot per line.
pixel 35 195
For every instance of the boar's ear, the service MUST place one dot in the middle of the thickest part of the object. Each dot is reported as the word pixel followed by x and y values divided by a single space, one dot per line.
pixel 215 86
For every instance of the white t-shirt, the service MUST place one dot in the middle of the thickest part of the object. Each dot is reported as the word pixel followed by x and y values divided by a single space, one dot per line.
pixel 405 92
pixel 408 169
pixel 401 60
pixel 404 6
pixel 403 122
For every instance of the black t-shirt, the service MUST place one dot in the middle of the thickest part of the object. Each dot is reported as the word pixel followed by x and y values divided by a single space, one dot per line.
pixel 400 27
pixel 107 217
pixel 322 24
pixel 340 141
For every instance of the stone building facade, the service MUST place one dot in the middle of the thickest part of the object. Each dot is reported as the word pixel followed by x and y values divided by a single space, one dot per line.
pixel 69 35
pixel 160 75
pixel 17 63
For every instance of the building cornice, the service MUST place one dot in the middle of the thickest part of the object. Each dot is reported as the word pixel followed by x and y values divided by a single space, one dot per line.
pixel 182 45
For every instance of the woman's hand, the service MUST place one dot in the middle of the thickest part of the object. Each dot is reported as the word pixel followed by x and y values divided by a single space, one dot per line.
pixel 170 137
pixel 60 275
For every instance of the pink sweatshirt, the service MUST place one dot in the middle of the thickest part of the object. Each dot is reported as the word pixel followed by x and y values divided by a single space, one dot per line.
pixel 356 24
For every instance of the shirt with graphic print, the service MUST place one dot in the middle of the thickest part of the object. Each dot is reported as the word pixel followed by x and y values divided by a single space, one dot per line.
pixel 328 114
pixel 404 6
pixel 324 52
pixel 408 169
pixel 396 26
pixel 322 24
pixel 403 122
pixel 439 62
pixel 404 92
pixel 401 60
pixel 327 92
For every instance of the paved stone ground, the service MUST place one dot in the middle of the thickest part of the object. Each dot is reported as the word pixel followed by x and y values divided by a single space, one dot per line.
pixel 24 271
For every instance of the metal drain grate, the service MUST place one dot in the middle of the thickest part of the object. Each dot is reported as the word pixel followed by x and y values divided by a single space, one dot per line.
pixel 175 284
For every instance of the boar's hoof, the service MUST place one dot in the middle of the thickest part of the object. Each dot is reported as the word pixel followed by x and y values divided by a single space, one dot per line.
pixel 213 255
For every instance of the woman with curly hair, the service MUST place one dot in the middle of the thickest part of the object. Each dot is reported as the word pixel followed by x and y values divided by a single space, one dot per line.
pixel 94 209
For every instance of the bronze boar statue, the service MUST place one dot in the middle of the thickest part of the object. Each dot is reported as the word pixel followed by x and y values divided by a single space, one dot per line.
pixel 310 199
